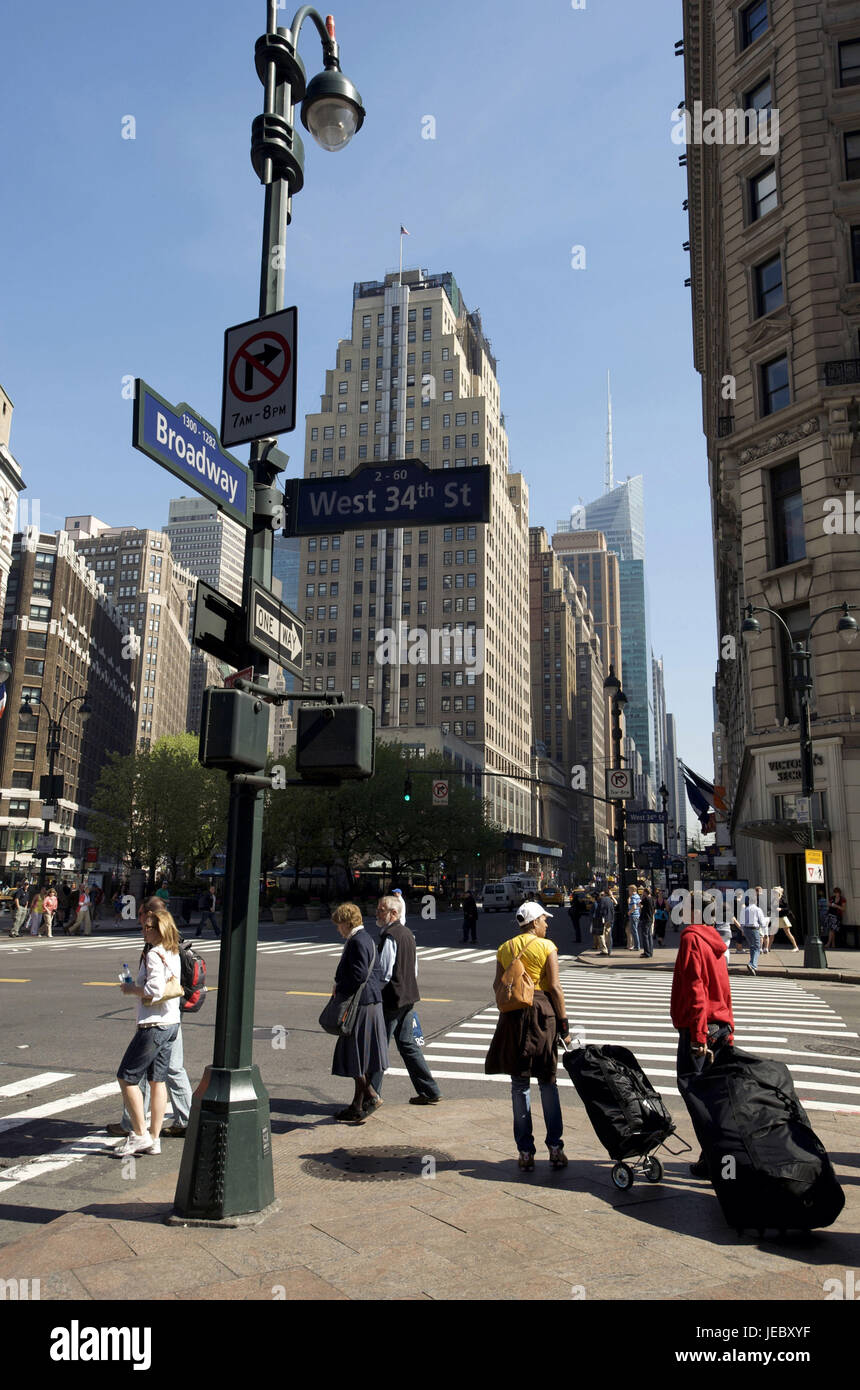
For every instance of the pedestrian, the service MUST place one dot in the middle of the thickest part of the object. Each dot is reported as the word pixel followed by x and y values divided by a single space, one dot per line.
pixel 835 913
pixel 784 916
pixel 752 921
pixel 661 917
pixel 21 899
pixel 207 911
pixel 363 1053
pixel 602 921
pixel 163 892
pixel 470 918
pixel 116 904
pixel 401 908
pixel 64 909
pixel 49 908
pixel 176 1079
pixel 398 962
pixel 158 991
pixel 96 899
pixel 34 920
pixel 187 910
pixel 525 1041
pixel 646 923
pixel 701 1006
pixel 634 903
pixel 82 924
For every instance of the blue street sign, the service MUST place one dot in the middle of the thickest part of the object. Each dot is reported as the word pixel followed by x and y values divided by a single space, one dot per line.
pixel 187 445
pixel 389 494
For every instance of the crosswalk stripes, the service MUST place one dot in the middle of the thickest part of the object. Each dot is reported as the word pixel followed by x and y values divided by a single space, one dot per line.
pixel 777 1019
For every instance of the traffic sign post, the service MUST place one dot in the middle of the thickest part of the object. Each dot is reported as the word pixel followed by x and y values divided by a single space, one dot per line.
pixel 440 793
pixel 814 866
pixel 259 392
pixel 181 441
pixel 619 783
pixel 274 630
pixel 399 493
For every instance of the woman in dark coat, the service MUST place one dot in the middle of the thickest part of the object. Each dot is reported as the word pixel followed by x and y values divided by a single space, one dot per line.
pixel 365 1050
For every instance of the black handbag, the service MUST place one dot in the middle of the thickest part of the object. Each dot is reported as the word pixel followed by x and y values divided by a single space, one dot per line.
pixel 339 1015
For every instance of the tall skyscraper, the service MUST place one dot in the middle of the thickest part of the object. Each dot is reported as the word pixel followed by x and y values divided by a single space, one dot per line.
pixel 153 593
pixel 416 379
pixel 11 483
pixel 620 515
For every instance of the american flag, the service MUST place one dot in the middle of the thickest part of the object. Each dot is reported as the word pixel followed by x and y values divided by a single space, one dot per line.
pixel 2 699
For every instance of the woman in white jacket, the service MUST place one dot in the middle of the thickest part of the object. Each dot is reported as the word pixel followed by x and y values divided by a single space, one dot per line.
pixel 159 991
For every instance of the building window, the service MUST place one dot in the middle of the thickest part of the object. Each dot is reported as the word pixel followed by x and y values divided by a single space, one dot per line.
pixel 852 154
pixel 763 194
pixel 760 98
pixel 754 22
pixel 775 393
pixel 787 511
pixel 855 254
pixel 849 63
pixel 768 286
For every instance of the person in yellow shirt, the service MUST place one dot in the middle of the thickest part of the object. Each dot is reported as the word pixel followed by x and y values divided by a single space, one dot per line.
pixel 524 1043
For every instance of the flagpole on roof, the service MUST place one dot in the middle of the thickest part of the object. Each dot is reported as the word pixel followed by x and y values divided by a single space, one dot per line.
pixel 403 233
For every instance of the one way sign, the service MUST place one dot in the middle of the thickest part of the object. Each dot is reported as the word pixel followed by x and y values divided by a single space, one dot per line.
pixel 274 629
pixel 259 396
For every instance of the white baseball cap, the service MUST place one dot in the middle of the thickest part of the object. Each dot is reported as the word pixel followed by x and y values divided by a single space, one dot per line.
pixel 529 912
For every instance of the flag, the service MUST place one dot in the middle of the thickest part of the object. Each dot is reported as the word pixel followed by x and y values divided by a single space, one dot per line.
pixel 2 699
pixel 403 231
pixel 699 802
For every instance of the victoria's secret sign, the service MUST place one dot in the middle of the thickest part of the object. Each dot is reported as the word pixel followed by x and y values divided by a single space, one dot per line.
pixel 788 769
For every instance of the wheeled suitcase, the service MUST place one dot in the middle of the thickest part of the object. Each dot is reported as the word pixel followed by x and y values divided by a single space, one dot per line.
pixel 767 1165
pixel 628 1115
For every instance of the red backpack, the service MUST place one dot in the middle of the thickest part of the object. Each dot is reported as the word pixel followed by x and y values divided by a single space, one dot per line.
pixel 192 977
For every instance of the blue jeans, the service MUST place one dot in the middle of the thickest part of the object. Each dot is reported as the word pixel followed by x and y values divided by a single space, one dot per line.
pixel 178 1087
pixel 522 1101
pixel 634 928
pixel 753 936
pixel 399 1027
pixel 647 938
pixel 211 916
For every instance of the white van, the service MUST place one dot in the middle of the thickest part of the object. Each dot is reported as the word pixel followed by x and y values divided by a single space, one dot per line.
pixel 500 896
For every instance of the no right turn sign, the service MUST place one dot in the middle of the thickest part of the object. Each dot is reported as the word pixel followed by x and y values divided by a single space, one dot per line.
pixel 440 793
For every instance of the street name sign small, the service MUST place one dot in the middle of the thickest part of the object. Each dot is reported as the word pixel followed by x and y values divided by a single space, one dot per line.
pixel 274 629
pixel 645 817
pixel 403 493
pixel 259 394
pixel 188 446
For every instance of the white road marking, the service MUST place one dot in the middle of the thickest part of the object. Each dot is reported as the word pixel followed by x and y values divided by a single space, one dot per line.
pixel 57 1107
pixel 35 1083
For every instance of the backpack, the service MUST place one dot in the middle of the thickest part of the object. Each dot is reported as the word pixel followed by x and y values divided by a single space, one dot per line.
pixel 516 988
pixel 192 977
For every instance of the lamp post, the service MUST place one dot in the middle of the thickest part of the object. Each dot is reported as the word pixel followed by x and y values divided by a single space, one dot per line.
pixel 664 797
pixel 226 1166
pixel 801 681
pixel 612 686
pixel 49 807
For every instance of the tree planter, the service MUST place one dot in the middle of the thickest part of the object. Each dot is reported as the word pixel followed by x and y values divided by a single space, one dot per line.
pixel 279 915
pixel 314 912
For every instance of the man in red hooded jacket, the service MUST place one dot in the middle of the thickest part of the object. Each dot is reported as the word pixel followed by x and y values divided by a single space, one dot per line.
pixel 701 1005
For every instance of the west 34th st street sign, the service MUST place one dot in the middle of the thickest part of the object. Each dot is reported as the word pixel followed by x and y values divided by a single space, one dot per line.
pixel 388 494
pixel 187 445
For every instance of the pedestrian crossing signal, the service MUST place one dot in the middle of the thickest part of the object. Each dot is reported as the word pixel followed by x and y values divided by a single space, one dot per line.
pixel 407 788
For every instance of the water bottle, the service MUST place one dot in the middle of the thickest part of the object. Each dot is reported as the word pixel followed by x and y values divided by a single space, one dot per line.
pixel 125 977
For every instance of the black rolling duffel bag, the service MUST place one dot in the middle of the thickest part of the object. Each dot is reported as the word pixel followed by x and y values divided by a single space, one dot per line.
pixel 628 1115
pixel 767 1165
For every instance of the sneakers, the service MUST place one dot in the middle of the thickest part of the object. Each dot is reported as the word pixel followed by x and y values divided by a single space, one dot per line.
pixel 424 1100
pixel 117 1131
pixel 174 1131
pixel 558 1157
pixel 751 970
pixel 526 1162
pixel 138 1144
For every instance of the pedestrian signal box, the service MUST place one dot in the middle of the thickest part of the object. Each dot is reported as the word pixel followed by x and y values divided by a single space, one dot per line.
pixel 335 741
pixel 234 730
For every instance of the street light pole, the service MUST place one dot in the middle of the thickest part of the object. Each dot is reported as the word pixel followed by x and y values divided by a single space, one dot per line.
pixel 613 687
pixel 53 747
pixel 226 1169
pixel 801 681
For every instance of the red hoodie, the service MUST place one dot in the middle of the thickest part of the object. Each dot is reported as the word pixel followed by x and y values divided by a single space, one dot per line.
pixel 700 984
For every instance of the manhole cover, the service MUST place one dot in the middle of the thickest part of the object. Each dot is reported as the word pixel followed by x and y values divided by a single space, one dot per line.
pixel 364 1165
pixel 840 1049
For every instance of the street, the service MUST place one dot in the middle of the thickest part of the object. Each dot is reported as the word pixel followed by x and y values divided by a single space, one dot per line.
pixel 67 1027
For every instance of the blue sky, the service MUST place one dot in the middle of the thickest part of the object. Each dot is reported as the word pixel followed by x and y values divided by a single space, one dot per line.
pixel 553 130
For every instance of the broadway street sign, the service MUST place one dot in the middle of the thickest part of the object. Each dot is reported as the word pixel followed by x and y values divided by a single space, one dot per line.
pixel 188 446
pixel 405 493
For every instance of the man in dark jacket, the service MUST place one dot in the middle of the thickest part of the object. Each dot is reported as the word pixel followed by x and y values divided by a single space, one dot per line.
pixel 701 1006
pixel 399 965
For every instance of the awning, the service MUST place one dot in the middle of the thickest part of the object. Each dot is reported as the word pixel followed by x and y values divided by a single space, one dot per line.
pixel 777 831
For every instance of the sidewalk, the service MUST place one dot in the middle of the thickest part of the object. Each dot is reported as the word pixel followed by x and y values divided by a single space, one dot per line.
pixel 428 1204
pixel 843 967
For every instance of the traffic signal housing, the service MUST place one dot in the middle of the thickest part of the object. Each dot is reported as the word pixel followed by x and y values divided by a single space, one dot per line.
pixel 335 742
pixel 407 787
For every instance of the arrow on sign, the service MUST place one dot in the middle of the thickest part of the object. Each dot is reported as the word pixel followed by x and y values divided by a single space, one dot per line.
pixel 291 640
pixel 261 359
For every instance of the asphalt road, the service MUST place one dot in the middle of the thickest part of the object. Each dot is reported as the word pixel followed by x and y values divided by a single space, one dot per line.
pixel 65 1026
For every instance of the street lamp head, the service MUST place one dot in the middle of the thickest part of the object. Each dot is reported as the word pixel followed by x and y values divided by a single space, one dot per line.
pixel 620 698
pixel 664 790
pixel 5 669
pixel 612 683
pixel 750 627
pixel 25 706
pixel 86 708
pixel 847 627
pixel 332 109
